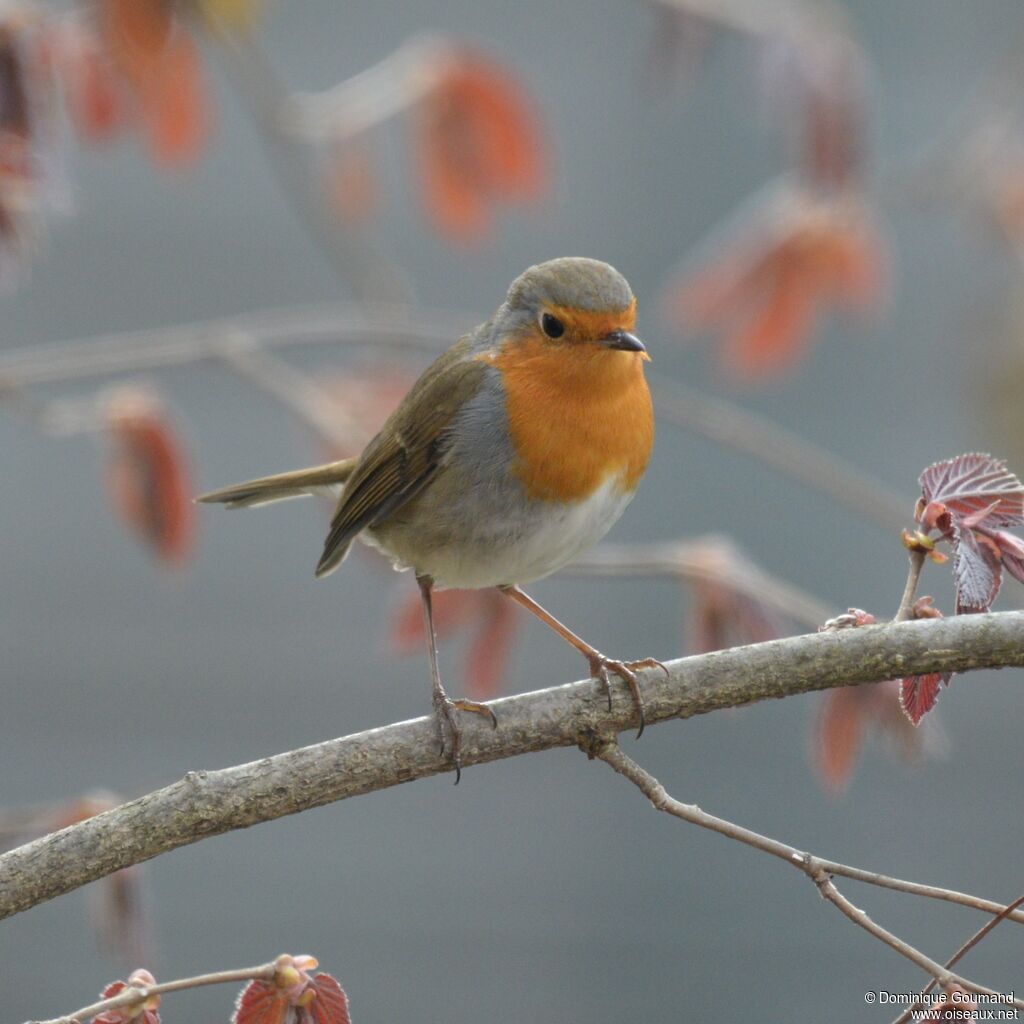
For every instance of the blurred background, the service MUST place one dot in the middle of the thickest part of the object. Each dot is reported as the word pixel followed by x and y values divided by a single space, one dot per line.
pixel 543 888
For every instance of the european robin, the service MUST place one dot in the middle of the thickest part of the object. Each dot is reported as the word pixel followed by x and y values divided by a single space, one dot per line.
pixel 516 450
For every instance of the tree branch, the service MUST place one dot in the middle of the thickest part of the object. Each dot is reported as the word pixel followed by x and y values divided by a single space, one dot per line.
pixel 210 803
pixel 609 751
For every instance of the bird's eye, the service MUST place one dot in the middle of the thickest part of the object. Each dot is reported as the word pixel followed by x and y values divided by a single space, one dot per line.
pixel 552 326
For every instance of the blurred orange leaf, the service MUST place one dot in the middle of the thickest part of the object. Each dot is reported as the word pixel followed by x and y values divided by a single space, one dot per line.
pixel 778 272
pixel 479 141
pixel 846 716
pixel 92 92
pixel 159 62
pixel 148 475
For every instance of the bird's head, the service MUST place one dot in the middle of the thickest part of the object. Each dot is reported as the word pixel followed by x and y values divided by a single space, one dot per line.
pixel 572 303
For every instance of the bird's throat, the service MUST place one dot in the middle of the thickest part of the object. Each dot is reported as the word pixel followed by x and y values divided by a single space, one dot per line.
pixel 577 417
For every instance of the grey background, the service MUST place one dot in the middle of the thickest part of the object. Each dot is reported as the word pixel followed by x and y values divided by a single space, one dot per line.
pixel 543 888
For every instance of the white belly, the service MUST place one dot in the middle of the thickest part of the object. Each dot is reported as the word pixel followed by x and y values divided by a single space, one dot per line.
pixel 526 544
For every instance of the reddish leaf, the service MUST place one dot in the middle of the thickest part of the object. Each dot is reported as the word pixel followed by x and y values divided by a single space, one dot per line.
pixel 159 63
pixel 479 141
pixel 977 569
pixel 148 475
pixel 778 271
pixel 331 1003
pixel 839 734
pixel 974 483
pixel 262 1003
pixel 174 104
pixel 918 695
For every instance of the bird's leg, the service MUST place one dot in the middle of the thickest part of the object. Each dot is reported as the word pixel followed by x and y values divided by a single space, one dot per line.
pixel 600 665
pixel 443 704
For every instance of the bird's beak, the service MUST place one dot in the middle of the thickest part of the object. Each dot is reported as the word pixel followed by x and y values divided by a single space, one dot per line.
pixel 624 341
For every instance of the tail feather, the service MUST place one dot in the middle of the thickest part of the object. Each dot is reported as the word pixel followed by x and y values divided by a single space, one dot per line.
pixel 327 479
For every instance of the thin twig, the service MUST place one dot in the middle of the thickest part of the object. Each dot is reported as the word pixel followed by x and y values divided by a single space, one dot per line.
pixel 906 608
pixel 608 750
pixel 908 1014
pixel 139 993
pixel 211 803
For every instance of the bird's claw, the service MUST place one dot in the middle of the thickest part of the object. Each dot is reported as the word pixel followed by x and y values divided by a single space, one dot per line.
pixel 444 708
pixel 601 667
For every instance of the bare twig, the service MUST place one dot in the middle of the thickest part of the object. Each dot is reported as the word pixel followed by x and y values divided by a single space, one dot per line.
pixel 909 1012
pixel 609 751
pixel 135 993
pixel 906 608
pixel 210 803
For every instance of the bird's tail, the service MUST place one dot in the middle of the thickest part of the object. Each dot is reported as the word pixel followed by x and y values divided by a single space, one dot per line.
pixel 327 480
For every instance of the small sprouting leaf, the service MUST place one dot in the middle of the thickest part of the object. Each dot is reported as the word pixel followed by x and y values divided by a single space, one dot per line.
pixel 293 997
pixel 145 1011
pixel 331 1003
pixel 971 484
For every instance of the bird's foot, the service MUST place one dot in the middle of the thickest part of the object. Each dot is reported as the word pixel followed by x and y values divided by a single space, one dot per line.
pixel 601 668
pixel 444 709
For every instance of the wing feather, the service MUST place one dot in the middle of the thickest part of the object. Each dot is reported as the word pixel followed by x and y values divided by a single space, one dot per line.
pixel 403 458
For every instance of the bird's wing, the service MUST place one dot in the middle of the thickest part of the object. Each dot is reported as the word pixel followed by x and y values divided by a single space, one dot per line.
pixel 404 456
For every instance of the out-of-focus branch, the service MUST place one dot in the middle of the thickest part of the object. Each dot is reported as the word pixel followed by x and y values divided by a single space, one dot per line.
pixel 608 750
pixel 389 88
pixel 348 324
pixel 136 994
pixel 689 560
pixel 239 338
pixel 210 803
pixel 802 460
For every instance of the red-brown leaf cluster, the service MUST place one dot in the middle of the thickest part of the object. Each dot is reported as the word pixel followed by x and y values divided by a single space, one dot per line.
pixel 777 272
pixel 294 996
pixel 479 142
pixel 969 501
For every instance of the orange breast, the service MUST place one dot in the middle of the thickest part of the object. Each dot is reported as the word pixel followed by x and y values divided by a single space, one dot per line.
pixel 577 416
